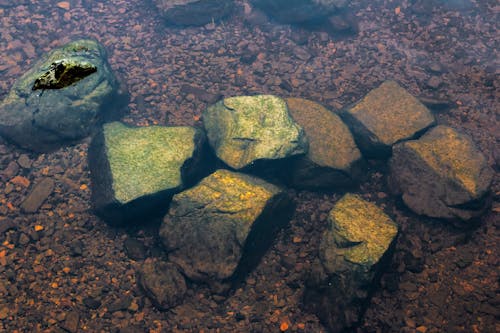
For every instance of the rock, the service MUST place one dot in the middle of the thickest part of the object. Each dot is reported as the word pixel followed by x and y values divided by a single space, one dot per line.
pixel 136 170
pixel 441 175
pixel 91 303
pixel 38 195
pixel 162 283
pixel 333 159
pixel 60 99
pixel 193 12
pixel 135 249
pixel 24 161
pixel 245 129
pixel 300 11
pixel 71 322
pixel 6 224
pixel 219 229
pixel 353 250
pixel 200 94
pixel 387 115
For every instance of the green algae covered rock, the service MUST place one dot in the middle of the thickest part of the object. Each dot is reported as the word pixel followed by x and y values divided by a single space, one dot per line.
pixel 222 226
pixel 333 159
pixel 441 175
pixel 245 129
pixel 134 170
pixel 386 115
pixel 60 99
pixel 353 249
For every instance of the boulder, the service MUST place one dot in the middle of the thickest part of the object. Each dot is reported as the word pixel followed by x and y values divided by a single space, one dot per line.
pixel 245 129
pixel 193 12
pixel 300 11
pixel 441 175
pixel 136 170
pixel 60 99
pixel 386 115
pixel 333 159
pixel 355 247
pixel 162 283
pixel 218 230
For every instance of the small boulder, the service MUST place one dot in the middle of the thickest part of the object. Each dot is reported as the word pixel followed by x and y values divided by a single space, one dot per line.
pixel 441 175
pixel 245 129
pixel 333 159
pixel 162 283
pixel 219 229
pixel 357 243
pixel 60 99
pixel 387 115
pixel 193 12
pixel 136 170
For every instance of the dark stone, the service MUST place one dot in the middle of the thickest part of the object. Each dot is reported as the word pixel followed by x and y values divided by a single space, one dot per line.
pixel 71 322
pixel 76 248
pixel 200 94
pixel 63 73
pixel 7 224
pixel 162 283
pixel 38 195
pixel 92 303
pixel 120 304
pixel 194 12
pixel 135 249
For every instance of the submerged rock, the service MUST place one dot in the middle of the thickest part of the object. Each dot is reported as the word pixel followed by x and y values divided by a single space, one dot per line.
pixel 219 229
pixel 300 11
pixel 135 171
pixel 352 252
pixel 387 115
pixel 442 175
pixel 245 129
pixel 162 283
pixel 193 12
pixel 333 159
pixel 60 99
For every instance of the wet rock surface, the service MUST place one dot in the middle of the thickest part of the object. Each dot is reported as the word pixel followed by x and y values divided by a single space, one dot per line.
pixel 243 130
pixel 221 227
pixel 442 174
pixel 386 115
pixel 61 98
pixel 357 239
pixel 136 170
pixel 333 160
pixel 193 12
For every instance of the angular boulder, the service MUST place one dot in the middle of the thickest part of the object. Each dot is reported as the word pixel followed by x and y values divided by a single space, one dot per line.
pixel 162 283
pixel 136 170
pixel 300 11
pixel 246 129
pixel 193 12
pixel 441 175
pixel 60 99
pixel 386 115
pixel 353 250
pixel 333 159
pixel 218 230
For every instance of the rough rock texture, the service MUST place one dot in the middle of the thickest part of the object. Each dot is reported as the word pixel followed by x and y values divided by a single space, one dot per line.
pixel 220 228
pixel 162 283
pixel 38 195
pixel 60 99
pixel 387 115
pixel 352 252
pixel 442 174
pixel 333 159
pixel 136 170
pixel 299 11
pixel 193 12
pixel 245 129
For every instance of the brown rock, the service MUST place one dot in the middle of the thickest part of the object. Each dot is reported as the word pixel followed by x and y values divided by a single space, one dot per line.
pixel 38 195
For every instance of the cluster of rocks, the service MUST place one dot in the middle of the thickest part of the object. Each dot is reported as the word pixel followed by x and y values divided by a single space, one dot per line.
pixel 309 13
pixel 215 187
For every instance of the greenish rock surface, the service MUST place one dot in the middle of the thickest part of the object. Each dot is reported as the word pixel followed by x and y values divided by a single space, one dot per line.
pixel 246 129
pixel 193 12
pixel 441 175
pixel 136 169
pixel 219 229
pixel 353 249
pixel 60 99
pixel 385 116
pixel 333 159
